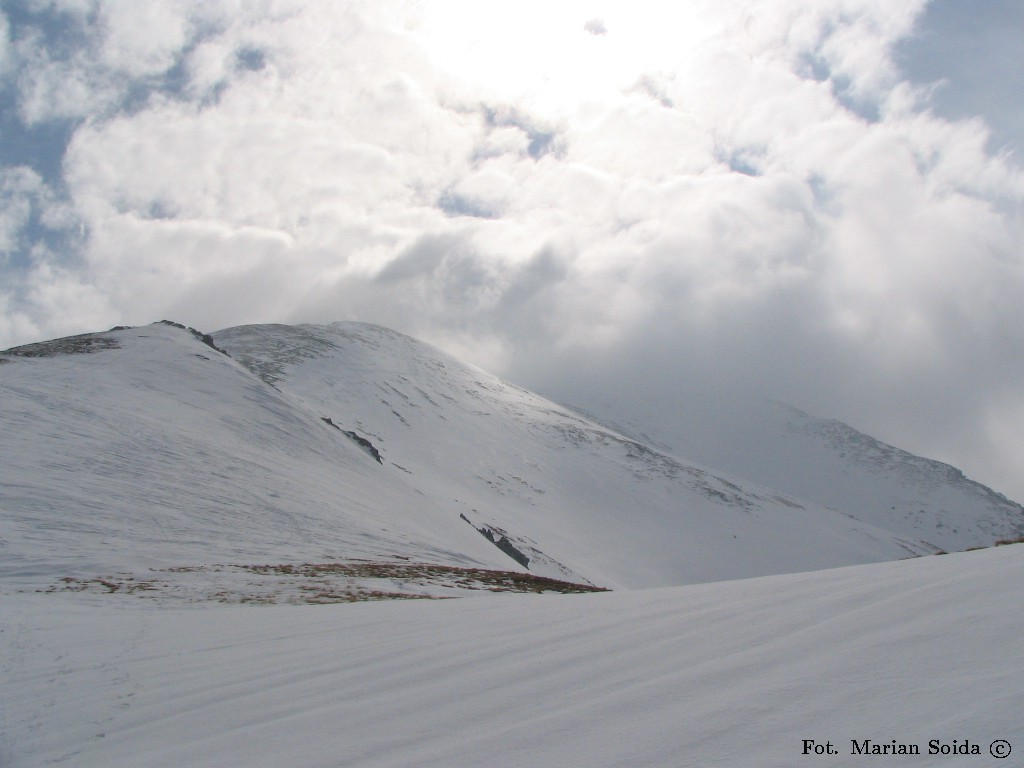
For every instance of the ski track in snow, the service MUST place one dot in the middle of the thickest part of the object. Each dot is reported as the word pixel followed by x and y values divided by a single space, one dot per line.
pixel 733 673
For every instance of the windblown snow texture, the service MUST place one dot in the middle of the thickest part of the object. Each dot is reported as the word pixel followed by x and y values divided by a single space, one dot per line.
pixel 150 485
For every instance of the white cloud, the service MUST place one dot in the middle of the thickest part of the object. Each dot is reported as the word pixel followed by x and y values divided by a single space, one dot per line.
pixel 141 37
pixel 58 90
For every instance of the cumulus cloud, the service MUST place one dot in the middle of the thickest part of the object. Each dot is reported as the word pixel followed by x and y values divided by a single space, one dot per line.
pixel 725 195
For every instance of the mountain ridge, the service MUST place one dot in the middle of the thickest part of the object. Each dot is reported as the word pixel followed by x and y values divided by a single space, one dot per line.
pixel 833 464
pixel 155 453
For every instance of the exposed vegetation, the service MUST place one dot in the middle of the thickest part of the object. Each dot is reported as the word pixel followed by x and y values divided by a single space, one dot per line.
pixel 1000 543
pixel 317 583
pixel 1017 540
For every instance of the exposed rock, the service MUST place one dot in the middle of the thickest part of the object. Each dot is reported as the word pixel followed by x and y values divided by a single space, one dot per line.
pixel 361 441
pixel 85 343
pixel 498 538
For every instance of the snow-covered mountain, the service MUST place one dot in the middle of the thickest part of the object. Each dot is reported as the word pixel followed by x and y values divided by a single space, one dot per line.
pixel 148 448
pixel 830 463
pixel 333 463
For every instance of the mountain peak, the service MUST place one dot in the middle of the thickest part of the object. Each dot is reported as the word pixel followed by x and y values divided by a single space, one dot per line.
pixel 350 442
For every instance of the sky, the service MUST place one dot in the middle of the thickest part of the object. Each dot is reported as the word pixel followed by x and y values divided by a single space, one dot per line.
pixel 815 201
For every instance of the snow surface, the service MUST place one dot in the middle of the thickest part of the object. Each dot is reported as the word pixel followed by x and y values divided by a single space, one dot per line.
pixel 150 484
pixel 725 674
pixel 609 508
pixel 827 462
pixel 163 453
pixel 156 454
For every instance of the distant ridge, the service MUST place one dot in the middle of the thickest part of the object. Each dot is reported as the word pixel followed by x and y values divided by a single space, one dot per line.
pixel 141 451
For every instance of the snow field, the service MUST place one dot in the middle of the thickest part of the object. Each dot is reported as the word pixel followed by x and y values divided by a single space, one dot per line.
pixel 149 482
pixel 724 674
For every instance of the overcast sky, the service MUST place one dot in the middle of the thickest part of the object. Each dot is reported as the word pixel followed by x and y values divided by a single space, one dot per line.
pixel 818 201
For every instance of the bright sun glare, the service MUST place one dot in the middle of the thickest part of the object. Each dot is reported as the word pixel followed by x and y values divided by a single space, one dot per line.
pixel 553 57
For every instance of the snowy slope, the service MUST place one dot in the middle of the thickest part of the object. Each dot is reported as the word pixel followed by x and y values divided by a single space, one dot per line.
pixel 735 673
pixel 146 451
pixel 567 491
pixel 828 462
pixel 147 479
pixel 156 451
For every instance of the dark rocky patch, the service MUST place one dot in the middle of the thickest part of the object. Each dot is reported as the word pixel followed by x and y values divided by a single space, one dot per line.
pixel 206 338
pixel 500 539
pixel 85 343
pixel 359 440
